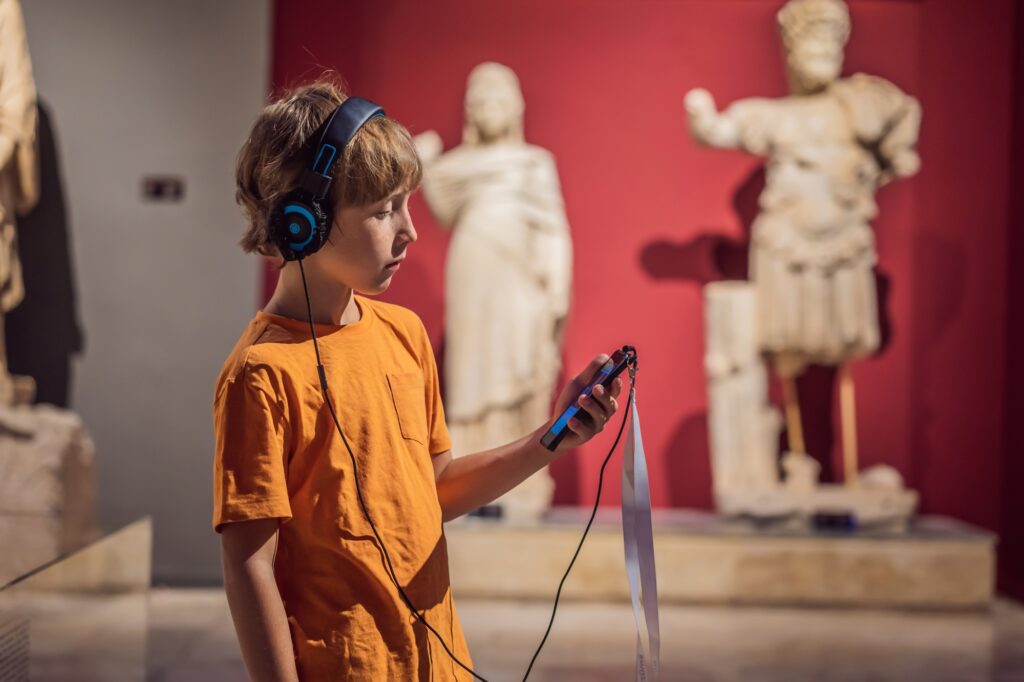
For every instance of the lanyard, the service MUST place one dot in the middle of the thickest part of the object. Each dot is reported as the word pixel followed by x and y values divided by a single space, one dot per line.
pixel 638 537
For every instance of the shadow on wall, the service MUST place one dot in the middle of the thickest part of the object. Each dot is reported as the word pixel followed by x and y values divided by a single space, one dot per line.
pixel 689 463
pixel 711 257
pixel 43 332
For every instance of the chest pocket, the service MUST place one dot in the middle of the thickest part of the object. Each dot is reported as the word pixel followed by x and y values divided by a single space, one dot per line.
pixel 408 395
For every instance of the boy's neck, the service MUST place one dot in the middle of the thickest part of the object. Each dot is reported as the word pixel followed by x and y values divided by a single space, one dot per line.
pixel 332 302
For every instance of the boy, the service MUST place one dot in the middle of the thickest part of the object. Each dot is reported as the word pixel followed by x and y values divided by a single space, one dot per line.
pixel 306 578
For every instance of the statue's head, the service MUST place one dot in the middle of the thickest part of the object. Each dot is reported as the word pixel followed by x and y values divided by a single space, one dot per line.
pixel 494 105
pixel 814 33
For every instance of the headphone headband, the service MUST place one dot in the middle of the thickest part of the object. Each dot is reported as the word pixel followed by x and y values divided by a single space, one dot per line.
pixel 301 222
pixel 332 136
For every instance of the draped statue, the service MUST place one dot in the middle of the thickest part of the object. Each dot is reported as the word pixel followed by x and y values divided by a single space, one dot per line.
pixel 507 276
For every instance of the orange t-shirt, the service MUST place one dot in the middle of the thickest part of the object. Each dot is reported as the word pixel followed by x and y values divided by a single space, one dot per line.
pixel 279 455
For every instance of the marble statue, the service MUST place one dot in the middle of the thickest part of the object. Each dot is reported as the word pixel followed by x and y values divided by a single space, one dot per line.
pixel 19 175
pixel 742 425
pixel 47 472
pixel 829 145
pixel 743 432
pixel 507 277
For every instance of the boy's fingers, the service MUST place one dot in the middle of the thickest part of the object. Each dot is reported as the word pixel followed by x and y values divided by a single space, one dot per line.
pixel 595 408
pixel 616 387
pixel 583 377
pixel 583 425
pixel 600 407
pixel 601 396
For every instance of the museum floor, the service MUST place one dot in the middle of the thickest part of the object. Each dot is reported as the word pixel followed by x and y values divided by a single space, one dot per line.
pixel 191 639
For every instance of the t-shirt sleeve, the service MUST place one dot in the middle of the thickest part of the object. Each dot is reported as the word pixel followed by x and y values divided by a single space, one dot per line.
pixel 438 438
pixel 249 459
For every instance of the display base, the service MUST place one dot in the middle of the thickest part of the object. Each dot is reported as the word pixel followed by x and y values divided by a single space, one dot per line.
pixel 878 508
pixel 936 563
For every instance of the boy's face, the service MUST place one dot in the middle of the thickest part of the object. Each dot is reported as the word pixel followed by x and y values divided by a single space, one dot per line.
pixel 367 243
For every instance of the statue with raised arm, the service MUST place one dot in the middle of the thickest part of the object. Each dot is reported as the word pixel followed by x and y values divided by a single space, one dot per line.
pixel 19 176
pixel 507 276
pixel 829 145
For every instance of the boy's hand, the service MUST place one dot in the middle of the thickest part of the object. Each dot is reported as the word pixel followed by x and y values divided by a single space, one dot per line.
pixel 597 408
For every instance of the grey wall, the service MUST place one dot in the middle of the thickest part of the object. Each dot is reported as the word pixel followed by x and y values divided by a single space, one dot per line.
pixel 139 87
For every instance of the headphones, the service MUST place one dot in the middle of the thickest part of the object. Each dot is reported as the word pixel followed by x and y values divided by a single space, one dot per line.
pixel 300 223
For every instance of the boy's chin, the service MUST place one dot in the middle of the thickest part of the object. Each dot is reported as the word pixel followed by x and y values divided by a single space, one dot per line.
pixel 375 289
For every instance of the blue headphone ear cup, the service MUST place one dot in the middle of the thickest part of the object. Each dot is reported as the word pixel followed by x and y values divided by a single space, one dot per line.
pixel 298 227
pixel 325 215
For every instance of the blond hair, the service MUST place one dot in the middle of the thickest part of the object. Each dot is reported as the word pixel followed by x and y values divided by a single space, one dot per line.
pixel 380 159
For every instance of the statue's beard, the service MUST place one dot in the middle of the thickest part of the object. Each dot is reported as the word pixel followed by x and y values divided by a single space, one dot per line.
pixel 814 73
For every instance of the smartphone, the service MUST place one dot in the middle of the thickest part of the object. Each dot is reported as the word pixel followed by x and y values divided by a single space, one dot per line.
pixel 619 360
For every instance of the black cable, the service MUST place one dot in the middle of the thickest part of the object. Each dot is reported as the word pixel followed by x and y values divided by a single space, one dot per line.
pixel 600 484
pixel 359 492
pixel 387 557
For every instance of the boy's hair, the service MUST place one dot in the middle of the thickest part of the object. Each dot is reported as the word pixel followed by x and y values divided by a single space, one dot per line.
pixel 380 159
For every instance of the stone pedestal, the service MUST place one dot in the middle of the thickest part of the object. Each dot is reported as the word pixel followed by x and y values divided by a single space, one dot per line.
pixel 743 427
pixel 938 563
pixel 47 487
pixel 82 617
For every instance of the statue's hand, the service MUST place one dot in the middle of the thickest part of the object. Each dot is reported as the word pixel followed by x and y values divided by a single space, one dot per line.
pixel 700 105
pixel 905 164
pixel 428 146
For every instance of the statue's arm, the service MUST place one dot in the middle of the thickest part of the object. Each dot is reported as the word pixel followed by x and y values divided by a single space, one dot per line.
pixel 17 89
pixel 544 211
pixel 707 124
pixel 884 118
pixel 438 190
pixel 898 146
pixel 743 125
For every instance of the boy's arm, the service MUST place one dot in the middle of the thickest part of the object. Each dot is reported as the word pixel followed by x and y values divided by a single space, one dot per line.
pixel 247 551
pixel 469 482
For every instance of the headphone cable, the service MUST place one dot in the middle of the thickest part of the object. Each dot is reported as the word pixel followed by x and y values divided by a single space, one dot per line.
pixel 380 541
pixel 593 513
pixel 359 492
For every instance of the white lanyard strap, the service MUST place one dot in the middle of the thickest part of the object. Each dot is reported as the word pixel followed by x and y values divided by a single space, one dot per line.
pixel 638 536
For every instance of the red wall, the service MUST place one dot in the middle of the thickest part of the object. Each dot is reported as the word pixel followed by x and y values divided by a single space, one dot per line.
pixel 1012 530
pixel 654 216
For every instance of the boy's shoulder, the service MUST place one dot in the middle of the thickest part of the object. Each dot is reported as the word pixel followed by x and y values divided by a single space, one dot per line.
pixel 402 325
pixel 262 353
pixel 272 348
pixel 399 318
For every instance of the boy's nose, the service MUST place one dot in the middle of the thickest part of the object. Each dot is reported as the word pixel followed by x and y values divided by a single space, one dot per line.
pixel 409 230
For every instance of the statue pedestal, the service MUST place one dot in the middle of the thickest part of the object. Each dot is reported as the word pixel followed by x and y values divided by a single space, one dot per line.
pixel 47 487
pixel 877 509
pixel 937 563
